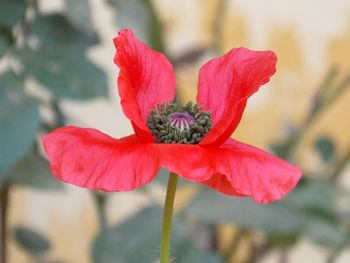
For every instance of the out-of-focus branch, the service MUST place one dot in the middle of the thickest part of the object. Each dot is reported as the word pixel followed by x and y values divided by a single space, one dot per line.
pixel 335 253
pixel 156 33
pixel 193 55
pixel 100 201
pixel 7 34
pixel 340 166
pixel 218 22
pixel 321 94
pixel 322 101
pixel 59 116
pixel 232 249
pixel 4 195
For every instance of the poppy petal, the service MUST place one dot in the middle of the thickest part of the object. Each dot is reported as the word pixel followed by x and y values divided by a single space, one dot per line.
pixel 91 159
pixel 189 161
pixel 254 172
pixel 88 158
pixel 220 183
pixel 235 169
pixel 225 84
pixel 146 78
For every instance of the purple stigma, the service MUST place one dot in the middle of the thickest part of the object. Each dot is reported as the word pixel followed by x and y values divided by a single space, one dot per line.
pixel 181 120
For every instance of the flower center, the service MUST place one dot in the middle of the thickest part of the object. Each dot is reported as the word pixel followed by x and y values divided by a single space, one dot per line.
pixel 174 123
pixel 181 120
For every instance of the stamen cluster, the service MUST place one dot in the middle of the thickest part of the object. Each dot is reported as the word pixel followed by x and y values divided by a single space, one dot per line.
pixel 175 123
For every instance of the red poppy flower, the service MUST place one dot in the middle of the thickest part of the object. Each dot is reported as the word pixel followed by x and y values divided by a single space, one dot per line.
pixel 191 141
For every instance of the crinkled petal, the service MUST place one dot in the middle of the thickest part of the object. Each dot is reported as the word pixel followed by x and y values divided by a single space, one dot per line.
pixel 91 159
pixel 191 162
pixel 220 183
pixel 225 84
pixel 234 168
pixel 254 172
pixel 146 78
pixel 88 158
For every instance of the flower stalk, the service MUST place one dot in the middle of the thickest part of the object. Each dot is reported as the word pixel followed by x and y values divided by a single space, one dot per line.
pixel 167 218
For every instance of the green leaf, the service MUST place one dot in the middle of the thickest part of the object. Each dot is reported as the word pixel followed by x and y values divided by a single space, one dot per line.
pixel 316 194
pixel 56 33
pixel 324 231
pixel 19 121
pixel 147 26
pixel 78 13
pixel 138 240
pixel 133 241
pixel 60 63
pixel 67 74
pixel 209 206
pixel 3 45
pixel 315 203
pixel 282 240
pixel 34 171
pixel 11 11
pixel 344 216
pixel 325 147
pixel 186 252
pixel 310 211
pixel 31 240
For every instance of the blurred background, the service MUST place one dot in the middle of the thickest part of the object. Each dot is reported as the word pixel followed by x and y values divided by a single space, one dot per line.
pixel 56 68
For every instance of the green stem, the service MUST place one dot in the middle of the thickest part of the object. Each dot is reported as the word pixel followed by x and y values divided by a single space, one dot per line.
pixel 167 218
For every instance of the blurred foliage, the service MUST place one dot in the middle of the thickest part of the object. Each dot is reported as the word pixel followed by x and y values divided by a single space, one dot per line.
pixel 3 45
pixel 19 121
pixel 78 13
pixel 60 62
pixel 142 233
pixel 325 147
pixel 11 11
pixel 30 240
pixel 33 171
pixel 51 48
pixel 212 207
pixel 147 26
